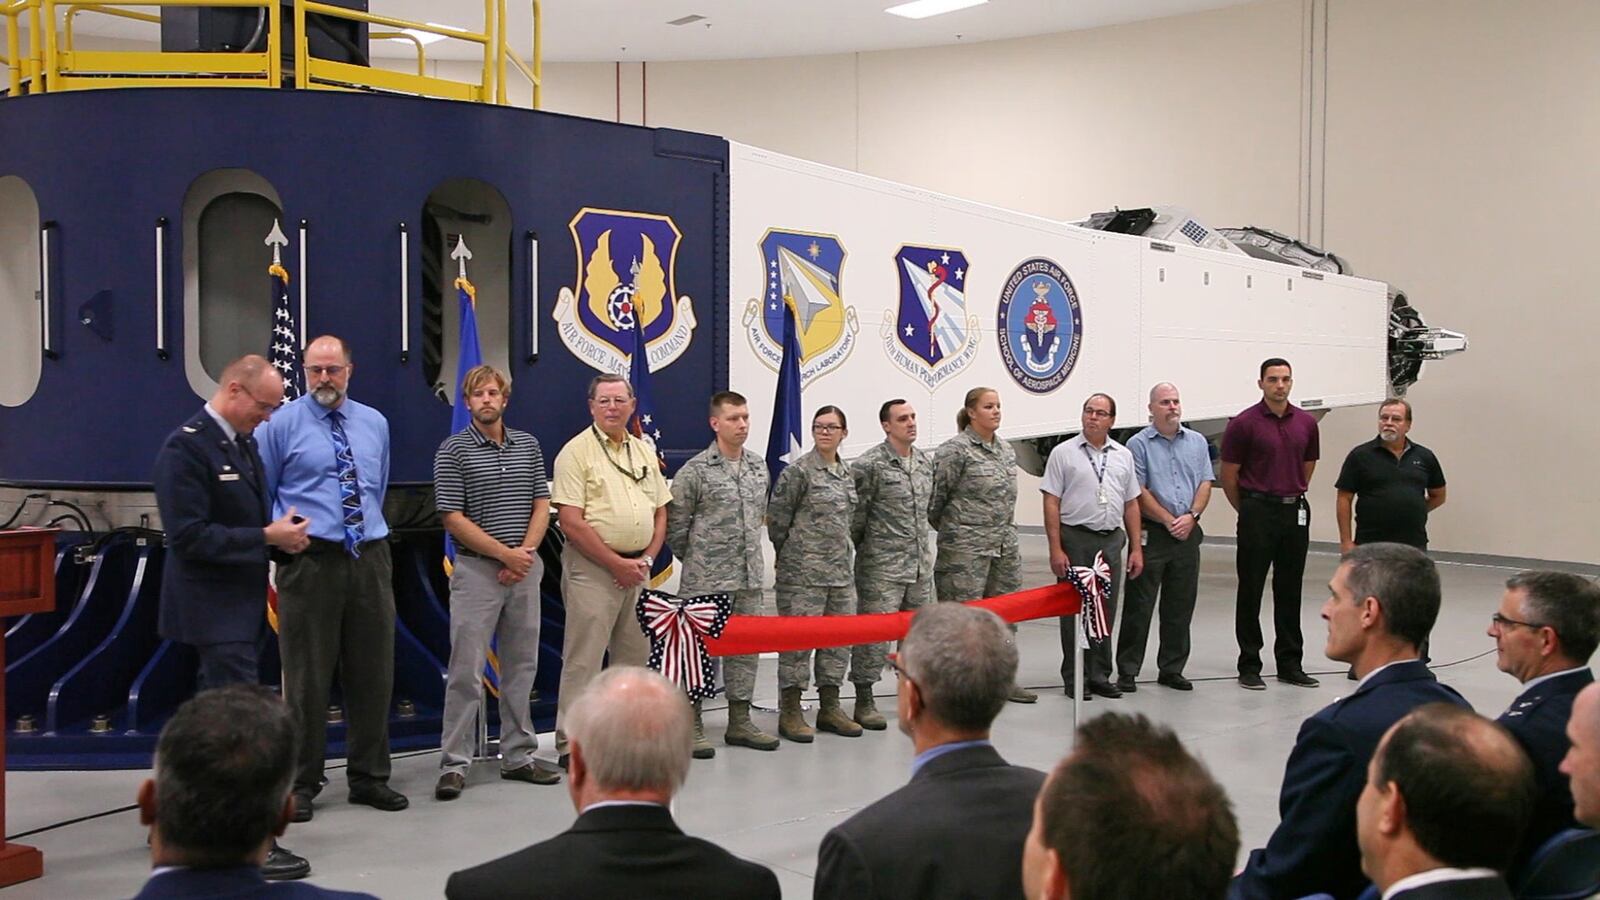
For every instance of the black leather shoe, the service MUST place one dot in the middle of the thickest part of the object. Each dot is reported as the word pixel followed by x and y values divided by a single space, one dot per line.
pixel 1127 684
pixel 562 762
pixel 1251 682
pixel 379 796
pixel 532 773
pixel 1105 689
pixel 281 865
pixel 1176 682
pixel 302 807
pixel 1086 696
pixel 450 786
pixel 1298 679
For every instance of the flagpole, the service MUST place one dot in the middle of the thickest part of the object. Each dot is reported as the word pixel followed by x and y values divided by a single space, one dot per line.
pixel 1078 685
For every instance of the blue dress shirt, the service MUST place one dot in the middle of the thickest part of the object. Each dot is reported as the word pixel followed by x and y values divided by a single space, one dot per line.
pixel 1171 468
pixel 298 456
pixel 933 753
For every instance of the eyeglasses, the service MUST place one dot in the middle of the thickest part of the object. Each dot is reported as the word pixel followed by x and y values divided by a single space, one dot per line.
pixel 330 371
pixel 1503 621
pixel 608 402
pixel 827 429
pixel 899 670
pixel 261 406
pixel 1097 413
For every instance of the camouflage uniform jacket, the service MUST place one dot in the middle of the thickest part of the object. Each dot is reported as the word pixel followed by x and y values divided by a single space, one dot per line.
pixel 808 519
pixel 714 521
pixel 890 526
pixel 974 496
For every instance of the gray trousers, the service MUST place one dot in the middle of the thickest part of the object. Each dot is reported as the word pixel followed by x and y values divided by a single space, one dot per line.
pixel 1172 571
pixel 1081 545
pixel 338 612
pixel 738 672
pixel 878 595
pixel 482 608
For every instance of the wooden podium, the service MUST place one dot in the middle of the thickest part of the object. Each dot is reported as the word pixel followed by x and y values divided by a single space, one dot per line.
pixel 27 585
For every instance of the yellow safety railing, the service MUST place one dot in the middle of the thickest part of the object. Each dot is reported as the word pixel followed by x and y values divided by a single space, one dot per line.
pixel 73 69
pixel 52 61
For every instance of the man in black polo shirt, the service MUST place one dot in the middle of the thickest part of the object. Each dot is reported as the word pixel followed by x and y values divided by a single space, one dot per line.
pixel 490 489
pixel 1390 483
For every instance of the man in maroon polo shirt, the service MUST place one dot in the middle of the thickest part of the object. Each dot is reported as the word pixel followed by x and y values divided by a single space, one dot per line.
pixel 1268 453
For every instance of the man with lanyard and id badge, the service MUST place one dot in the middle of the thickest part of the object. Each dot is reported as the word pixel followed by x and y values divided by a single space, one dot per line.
pixel 1091 497
pixel 611 502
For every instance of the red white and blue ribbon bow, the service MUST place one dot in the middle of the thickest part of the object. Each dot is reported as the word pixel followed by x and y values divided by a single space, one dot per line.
pixel 1094 586
pixel 677 628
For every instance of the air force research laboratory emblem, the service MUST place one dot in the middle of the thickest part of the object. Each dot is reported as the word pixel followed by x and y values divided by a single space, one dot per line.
pixel 1040 325
pixel 930 335
pixel 806 269
pixel 626 262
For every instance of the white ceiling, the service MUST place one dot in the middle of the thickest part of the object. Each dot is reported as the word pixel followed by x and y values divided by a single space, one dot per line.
pixel 637 30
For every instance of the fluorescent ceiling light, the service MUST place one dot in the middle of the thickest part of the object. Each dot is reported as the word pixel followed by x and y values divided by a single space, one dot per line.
pixel 428 37
pixel 922 9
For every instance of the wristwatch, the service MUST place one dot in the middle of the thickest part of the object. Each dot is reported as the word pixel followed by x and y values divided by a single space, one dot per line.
pixel 648 559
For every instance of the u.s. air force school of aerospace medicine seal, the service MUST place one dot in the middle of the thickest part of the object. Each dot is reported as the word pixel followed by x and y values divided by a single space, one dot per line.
pixel 806 271
pixel 1040 325
pixel 930 334
pixel 626 265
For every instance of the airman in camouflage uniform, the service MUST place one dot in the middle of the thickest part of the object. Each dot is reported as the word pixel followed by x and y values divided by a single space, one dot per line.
pixel 894 571
pixel 809 520
pixel 719 499
pixel 974 510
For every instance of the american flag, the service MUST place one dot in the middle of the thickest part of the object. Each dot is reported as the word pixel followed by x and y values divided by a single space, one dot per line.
pixel 647 427
pixel 1094 586
pixel 283 352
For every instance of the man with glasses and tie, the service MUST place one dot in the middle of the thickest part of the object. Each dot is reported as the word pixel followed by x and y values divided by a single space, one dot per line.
pixel 213 504
pixel 327 456
pixel 1545 631
pixel 611 502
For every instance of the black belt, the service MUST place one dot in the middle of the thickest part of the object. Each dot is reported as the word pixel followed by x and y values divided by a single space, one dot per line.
pixel 318 546
pixel 1271 498
pixel 463 551
pixel 630 554
pixel 1106 533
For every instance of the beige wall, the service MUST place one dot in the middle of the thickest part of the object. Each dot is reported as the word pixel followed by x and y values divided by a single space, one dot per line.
pixel 1448 126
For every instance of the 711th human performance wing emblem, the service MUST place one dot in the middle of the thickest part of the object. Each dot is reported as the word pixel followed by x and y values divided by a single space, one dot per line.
pixel 930 335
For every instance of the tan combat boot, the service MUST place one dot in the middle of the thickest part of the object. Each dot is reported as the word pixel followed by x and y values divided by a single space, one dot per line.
pixel 702 747
pixel 742 732
pixel 867 715
pixel 831 716
pixel 791 721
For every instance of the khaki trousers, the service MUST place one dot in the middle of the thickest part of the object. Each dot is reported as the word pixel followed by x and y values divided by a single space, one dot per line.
pixel 601 618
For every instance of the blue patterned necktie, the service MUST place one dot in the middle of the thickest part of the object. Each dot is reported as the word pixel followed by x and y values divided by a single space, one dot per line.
pixel 349 487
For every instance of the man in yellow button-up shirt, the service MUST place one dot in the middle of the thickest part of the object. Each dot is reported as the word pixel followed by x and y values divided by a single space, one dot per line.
pixel 612 505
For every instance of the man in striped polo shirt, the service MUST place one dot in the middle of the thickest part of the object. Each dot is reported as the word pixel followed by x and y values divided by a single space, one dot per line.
pixel 490 489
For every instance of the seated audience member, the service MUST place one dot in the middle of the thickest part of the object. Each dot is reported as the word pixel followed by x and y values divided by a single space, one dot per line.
pixel 1582 764
pixel 1130 814
pixel 958 828
pixel 1544 633
pixel 1445 791
pixel 220 794
pixel 629 737
pixel 1383 601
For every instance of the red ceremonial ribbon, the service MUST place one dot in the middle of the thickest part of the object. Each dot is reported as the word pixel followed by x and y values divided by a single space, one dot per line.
pixel 744 635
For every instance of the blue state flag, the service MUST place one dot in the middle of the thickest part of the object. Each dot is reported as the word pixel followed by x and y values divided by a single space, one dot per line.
pixel 644 424
pixel 784 443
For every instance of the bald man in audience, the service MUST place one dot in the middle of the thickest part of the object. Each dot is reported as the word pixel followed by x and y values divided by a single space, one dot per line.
pixel 629 737
pixel 1444 790
pixel 1582 763
pixel 1129 814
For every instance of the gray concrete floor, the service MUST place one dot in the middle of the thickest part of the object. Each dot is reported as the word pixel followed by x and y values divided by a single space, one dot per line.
pixel 775 807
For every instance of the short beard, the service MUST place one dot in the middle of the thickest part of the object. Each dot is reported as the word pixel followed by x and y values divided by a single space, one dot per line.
pixel 487 417
pixel 1387 435
pixel 328 397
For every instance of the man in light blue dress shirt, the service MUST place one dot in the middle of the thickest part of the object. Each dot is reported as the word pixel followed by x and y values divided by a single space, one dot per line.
pixel 1173 465
pixel 327 456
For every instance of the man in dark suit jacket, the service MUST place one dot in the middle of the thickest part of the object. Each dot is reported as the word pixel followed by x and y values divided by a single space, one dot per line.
pixel 1444 790
pixel 1383 601
pixel 220 794
pixel 1544 634
pixel 1130 814
pixel 629 737
pixel 957 829
pixel 209 489
pixel 213 504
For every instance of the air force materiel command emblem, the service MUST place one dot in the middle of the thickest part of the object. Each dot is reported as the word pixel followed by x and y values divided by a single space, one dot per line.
pixel 931 336
pixel 1040 325
pixel 805 269
pixel 626 269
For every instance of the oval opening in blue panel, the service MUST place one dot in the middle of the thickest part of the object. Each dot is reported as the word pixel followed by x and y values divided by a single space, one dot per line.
pixel 21 357
pixel 227 296
pixel 475 211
